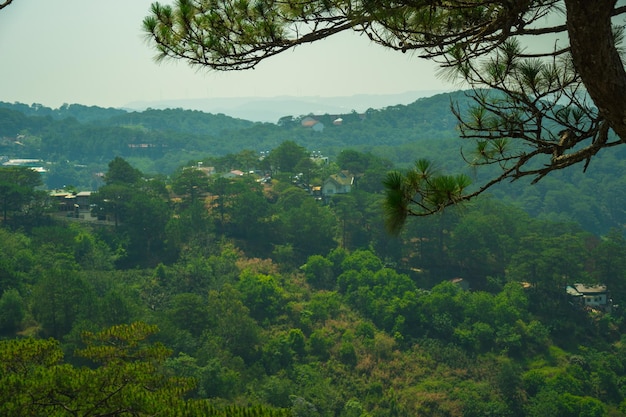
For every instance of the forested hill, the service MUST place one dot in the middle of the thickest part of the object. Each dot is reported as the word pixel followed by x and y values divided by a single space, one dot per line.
pixel 77 141
pixel 187 294
pixel 99 132
pixel 78 111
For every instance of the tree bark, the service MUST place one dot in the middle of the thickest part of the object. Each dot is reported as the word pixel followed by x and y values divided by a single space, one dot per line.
pixel 597 60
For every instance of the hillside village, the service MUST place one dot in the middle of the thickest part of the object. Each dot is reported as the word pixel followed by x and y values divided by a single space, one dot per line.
pixel 458 255
pixel 271 277
pixel 78 205
pixel 79 202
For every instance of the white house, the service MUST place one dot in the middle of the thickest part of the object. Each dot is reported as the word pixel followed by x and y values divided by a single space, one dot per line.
pixel 340 183
pixel 589 295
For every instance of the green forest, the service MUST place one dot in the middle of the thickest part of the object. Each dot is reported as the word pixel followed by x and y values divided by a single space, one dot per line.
pixel 192 294
pixel 76 143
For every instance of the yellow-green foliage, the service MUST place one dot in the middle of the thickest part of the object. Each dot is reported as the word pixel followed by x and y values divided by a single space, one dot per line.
pixel 128 380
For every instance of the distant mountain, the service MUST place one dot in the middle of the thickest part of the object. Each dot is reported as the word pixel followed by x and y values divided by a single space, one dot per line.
pixel 79 112
pixel 271 109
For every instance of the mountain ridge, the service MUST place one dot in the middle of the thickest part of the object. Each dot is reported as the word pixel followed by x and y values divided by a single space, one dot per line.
pixel 271 109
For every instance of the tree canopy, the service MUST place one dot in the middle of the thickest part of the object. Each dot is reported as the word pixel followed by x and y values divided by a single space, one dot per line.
pixel 270 303
pixel 18 191
pixel 546 76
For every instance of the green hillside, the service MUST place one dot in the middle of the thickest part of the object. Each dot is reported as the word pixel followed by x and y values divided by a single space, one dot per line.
pixel 212 295
pixel 75 142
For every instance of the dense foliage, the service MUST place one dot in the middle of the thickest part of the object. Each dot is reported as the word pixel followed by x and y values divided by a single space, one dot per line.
pixel 399 135
pixel 268 301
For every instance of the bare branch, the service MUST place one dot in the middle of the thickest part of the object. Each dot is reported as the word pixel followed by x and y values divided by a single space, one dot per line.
pixel 5 3
pixel 523 100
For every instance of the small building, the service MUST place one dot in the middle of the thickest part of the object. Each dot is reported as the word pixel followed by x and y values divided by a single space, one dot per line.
pixel 34 164
pixel 83 200
pixel 63 200
pixel 233 174
pixel 595 296
pixel 76 204
pixel 308 122
pixel 318 127
pixel 340 183
pixel 208 171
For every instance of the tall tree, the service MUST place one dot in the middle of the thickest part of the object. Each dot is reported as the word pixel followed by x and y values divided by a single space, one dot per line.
pixel 16 260
pixel 539 106
pixel 138 205
pixel 309 229
pixel 145 222
pixel 287 156
pixel 61 297
pixel 18 189
pixel 190 184
pixel 609 259
pixel 110 200
pixel 121 172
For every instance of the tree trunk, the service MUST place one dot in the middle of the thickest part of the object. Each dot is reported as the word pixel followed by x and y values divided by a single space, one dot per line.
pixel 597 60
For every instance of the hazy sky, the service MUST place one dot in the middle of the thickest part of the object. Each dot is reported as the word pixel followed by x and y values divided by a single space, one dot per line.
pixel 94 53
